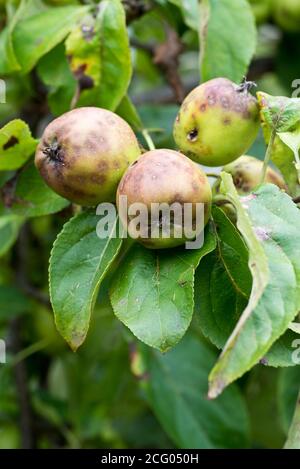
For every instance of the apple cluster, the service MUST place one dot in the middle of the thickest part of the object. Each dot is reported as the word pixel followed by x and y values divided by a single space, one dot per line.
pixel 91 155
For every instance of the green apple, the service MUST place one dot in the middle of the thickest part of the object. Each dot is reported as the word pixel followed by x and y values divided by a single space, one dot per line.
pixel 164 177
pixel 217 122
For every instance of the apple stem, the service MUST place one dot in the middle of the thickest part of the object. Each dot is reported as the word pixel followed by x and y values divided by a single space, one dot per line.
pixel 220 200
pixel 148 139
pixel 268 156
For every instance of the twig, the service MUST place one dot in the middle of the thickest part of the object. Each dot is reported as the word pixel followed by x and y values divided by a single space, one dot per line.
pixel 150 48
pixel 166 57
pixel 21 380
pixel 20 371
pixel 220 200
pixel 268 156
pixel 148 139
pixel 75 97
pixel 135 9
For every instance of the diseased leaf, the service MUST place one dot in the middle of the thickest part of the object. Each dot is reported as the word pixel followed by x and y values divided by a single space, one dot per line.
pixel 176 386
pixel 114 62
pixel 78 264
pixel 270 224
pixel 16 144
pixel 83 49
pixel 152 293
pixel 228 39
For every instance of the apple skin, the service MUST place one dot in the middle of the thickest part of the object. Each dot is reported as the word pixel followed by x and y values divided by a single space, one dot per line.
pixel 246 173
pixel 83 154
pixel 217 122
pixel 164 176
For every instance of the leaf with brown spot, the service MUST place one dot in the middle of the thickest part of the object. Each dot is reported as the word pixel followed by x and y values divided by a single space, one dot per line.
pixel 113 58
pixel 83 52
pixel 16 145
pixel 10 142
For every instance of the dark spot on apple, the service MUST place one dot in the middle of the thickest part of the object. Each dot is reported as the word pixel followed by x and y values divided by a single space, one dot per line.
pixel 192 136
pixel 98 179
pixel 102 166
pixel 227 121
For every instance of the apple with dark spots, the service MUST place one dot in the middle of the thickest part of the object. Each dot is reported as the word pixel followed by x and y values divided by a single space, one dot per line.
pixel 246 172
pixel 287 14
pixel 84 153
pixel 217 122
pixel 164 177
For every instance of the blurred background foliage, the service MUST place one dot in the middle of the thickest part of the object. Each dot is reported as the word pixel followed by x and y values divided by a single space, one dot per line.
pixel 101 396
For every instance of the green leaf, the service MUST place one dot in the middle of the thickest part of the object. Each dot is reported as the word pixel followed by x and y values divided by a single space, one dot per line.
pixel 176 389
pixel 283 115
pixel 292 140
pixel 12 302
pixel 8 60
pixel 152 293
pixel 36 35
pixel 54 71
pixel 78 264
pixel 33 198
pixel 9 230
pixel 16 144
pixel 288 388
pixel 26 8
pixel 222 282
pixel 127 111
pixel 270 224
pixel 190 12
pixel 283 351
pixel 295 327
pixel 279 112
pixel 115 60
pixel 228 39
